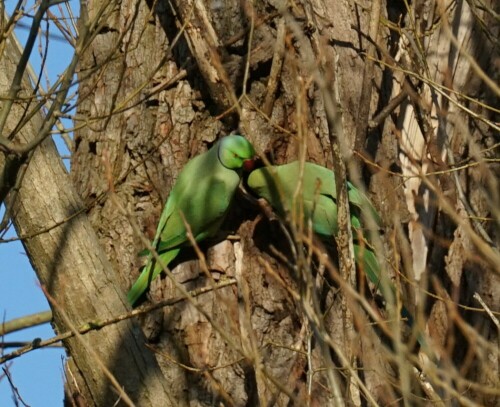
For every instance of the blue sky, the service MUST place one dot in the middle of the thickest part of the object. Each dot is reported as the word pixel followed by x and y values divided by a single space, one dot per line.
pixel 38 375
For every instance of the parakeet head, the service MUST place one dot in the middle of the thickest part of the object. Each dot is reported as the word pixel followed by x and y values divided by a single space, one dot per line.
pixel 236 152
pixel 264 183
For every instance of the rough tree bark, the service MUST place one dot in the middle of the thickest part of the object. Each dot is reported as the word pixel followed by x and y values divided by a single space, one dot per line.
pixel 283 113
pixel 288 74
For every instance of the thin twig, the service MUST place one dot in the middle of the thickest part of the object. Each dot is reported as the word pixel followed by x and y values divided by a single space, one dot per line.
pixel 27 321
pixel 277 64
pixel 118 387
pixel 97 325
pixel 487 309
pixel 15 86
pixel 15 391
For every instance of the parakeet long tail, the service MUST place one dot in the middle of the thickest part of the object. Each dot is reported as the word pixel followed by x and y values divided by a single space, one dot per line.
pixel 367 259
pixel 148 275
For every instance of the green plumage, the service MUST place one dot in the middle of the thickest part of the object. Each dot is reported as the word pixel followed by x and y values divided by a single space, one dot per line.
pixel 201 197
pixel 318 202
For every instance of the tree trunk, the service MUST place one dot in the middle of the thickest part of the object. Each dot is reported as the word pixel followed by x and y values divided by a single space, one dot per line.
pixel 161 81
pixel 298 55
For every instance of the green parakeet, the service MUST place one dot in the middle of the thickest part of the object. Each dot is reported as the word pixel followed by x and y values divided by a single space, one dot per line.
pixel 200 197
pixel 278 184
pixel 318 203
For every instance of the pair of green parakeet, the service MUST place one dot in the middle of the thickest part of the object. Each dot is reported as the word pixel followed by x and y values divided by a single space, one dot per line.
pixel 205 188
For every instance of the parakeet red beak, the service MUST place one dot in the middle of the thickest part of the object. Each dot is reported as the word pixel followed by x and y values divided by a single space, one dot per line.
pixel 248 165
